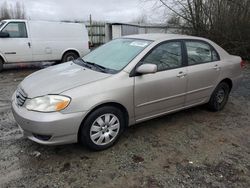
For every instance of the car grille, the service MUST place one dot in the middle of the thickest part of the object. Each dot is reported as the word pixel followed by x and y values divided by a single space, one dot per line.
pixel 21 97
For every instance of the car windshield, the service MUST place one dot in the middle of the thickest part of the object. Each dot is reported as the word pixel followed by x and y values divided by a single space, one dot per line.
pixel 116 54
pixel 1 24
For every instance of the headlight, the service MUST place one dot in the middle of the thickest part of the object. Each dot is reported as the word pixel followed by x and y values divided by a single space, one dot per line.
pixel 49 103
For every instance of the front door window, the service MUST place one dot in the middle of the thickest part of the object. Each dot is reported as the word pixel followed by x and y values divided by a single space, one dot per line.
pixel 16 30
pixel 166 56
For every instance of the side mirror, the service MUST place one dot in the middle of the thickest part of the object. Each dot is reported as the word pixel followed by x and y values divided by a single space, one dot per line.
pixel 4 35
pixel 147 69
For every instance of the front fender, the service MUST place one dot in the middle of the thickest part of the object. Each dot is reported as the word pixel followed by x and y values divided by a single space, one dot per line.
pixel 115 89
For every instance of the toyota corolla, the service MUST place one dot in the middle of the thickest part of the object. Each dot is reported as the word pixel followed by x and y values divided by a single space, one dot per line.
pixel 129 80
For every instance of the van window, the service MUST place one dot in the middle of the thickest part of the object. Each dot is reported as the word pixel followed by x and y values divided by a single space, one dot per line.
pixel 199 52
pixel 16 30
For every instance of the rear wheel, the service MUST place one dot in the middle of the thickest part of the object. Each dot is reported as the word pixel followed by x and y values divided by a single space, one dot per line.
pixel 102 128
pixel 69 56
pixel 219 97
pixel 1 65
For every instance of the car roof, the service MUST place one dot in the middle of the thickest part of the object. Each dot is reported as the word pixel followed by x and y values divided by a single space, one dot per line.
pixel 161 36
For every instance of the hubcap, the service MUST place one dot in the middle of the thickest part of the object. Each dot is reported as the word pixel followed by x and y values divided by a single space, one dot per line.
pixel 104 129
pixel 220 96
pixel 70 58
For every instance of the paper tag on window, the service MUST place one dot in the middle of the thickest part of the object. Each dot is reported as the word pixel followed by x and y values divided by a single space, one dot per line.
pixel 139 44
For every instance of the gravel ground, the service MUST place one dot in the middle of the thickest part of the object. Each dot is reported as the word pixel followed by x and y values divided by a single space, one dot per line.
pixel 192 148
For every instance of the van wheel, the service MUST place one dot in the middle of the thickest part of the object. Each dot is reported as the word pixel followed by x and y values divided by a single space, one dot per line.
pixel 69 56
pixel 102 128
pixel 1 65
pixel 219 97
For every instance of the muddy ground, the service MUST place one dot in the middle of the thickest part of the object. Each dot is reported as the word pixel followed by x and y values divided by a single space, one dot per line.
pixel 192 148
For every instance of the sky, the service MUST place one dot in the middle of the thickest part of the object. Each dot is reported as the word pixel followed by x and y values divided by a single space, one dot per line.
pixel 101 10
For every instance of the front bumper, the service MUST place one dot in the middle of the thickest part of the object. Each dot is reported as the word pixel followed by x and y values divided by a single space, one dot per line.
pixel 61 128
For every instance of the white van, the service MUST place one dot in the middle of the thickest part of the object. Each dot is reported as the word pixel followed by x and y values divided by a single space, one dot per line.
pixel 34 41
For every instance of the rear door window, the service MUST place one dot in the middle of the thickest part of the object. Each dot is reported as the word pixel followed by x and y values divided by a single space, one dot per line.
pixel 200 52
pixel 16 30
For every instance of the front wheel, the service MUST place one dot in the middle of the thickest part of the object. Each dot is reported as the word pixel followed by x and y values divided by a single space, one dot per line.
pixel 219 97
pixel 102 128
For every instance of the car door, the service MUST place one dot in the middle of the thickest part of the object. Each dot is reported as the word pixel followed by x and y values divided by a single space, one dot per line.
pixel 164 91
pixel 203 71
pixel 17 47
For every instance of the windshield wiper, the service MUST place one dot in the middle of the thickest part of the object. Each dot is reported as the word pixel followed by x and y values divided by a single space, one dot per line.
pixel 80 61
pixel 91 65
pixel 101 68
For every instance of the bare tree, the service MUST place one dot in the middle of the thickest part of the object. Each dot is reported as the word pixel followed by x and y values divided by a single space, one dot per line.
pixel 7 11
pixel 174 21
pixel 141 19
pixel 19 11
pixel 225 21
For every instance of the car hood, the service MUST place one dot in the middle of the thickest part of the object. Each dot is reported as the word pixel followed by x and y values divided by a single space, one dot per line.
pixel 59 78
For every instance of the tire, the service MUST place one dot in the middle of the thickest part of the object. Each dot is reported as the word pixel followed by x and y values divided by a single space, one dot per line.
pixel 69 56
pixel 219 97
pixel 99 134
pixel 1 65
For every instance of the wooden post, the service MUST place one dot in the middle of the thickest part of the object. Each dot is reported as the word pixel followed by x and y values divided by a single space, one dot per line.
pixel 91 30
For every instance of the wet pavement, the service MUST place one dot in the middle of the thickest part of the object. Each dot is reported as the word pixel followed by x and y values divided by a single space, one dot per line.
pixel 192 148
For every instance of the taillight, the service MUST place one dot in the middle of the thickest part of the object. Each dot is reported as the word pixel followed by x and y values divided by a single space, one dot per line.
pixel 242 64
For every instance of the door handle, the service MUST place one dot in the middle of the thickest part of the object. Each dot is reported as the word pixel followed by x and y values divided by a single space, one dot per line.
pixel 216 67
pixel 29 44
pixel 181 75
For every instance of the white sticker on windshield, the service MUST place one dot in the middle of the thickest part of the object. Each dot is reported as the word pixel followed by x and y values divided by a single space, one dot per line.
pixel 139 44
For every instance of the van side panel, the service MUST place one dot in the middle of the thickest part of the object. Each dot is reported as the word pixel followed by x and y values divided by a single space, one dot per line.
pixel 51 39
